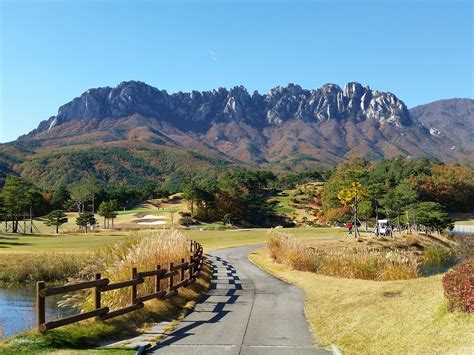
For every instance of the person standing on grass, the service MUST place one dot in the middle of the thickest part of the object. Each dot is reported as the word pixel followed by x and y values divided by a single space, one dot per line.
pixel 349 228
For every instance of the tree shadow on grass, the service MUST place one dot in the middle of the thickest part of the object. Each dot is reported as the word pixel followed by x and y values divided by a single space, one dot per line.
pixel 8 238
pixel 6 242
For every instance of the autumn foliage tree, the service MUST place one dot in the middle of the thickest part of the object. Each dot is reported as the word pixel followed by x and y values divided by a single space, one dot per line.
pixel 395 186
pixel 352 196
pixel 451 186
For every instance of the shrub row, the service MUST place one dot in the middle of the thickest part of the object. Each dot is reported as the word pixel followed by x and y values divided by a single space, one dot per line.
pixel 459 287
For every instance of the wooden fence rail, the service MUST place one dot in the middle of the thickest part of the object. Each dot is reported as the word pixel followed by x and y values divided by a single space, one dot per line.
pixel 100 285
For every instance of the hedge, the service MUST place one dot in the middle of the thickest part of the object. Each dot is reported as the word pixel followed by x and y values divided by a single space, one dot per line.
pixel 458 286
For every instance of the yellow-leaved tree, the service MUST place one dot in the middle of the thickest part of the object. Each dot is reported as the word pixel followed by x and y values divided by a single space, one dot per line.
pixel 351 196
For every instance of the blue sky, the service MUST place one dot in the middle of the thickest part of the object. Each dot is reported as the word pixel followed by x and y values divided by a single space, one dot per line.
pixel 52 51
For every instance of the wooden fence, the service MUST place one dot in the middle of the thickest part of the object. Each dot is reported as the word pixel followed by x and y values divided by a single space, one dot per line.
pixel 100 285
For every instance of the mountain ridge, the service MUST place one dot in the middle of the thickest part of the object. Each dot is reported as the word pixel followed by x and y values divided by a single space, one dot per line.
pixel 449 117
pixel 278 105
pixel 325 125
pixel 289 128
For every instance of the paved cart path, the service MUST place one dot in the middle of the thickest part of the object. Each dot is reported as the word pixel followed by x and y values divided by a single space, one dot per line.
pixel 246 311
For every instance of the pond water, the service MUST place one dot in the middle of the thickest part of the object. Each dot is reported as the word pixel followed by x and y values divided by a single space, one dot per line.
pixel 430 270
pixel 18 310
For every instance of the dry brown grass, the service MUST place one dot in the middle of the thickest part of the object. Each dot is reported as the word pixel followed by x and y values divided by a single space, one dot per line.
pixel 18 269
pixel 145 252
pixel 353 261
pixel 369 317
pixel 412 240
pixel 284 248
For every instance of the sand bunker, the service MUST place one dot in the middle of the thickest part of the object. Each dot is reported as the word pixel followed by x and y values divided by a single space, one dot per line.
pixel 151 223
pixel 150 216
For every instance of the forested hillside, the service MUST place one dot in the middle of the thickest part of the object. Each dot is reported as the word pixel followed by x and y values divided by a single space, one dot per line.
pixel 398 189
pixel 114 165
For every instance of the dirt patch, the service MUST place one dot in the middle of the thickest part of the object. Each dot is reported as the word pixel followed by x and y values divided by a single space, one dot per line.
pixel 391 294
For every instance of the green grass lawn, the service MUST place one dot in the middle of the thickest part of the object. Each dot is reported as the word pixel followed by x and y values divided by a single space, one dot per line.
pixel 283 206
pixel 467 222
pixel 210 239
pixel 463 218
pixel 57 243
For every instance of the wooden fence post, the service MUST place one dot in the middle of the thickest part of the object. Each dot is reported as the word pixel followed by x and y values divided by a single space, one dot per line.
pixel 40 304
pixel 182 271
pixel 134 287
pixel 190 268
pixel 199 268
pixel 157 280
pixel 97 293
pixel 170 285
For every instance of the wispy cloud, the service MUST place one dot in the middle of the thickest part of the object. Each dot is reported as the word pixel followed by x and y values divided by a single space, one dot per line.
pixel 213 55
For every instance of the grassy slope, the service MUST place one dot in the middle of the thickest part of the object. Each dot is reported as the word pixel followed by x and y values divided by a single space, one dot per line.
pixel 296 212
pixel 283 206
pixel 359 318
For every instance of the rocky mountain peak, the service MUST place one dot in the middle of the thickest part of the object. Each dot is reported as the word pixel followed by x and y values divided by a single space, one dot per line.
pixel 202 109
pixel 287 125
pixel 331 89
pixel 354 89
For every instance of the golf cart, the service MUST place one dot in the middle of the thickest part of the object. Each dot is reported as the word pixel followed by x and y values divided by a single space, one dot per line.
pixel 383 228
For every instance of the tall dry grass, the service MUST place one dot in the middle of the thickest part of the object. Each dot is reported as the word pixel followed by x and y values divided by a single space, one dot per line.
pixel 144 251
pixel 21 268
pixel 285 249
pixel 436 256
pixel 358 262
